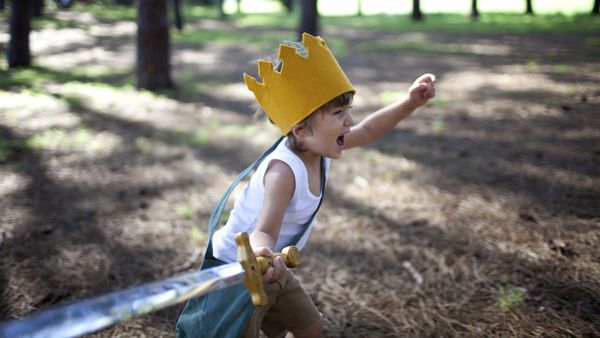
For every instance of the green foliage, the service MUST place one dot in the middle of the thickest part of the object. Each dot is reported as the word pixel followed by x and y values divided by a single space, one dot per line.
pixel 197 235
pixel 143 145
pixel 60 138
pixel 458 23
pixel 10 146
pixel 185 211
pixel 510 296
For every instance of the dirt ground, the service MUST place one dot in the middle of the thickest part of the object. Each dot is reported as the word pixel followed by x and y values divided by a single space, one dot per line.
pixel 478 216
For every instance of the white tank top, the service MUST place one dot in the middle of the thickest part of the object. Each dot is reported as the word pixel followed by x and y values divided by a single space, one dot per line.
pixel 244 215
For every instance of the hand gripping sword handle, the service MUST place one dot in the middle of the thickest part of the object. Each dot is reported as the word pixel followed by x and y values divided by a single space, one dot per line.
pixel 290 255
pixel 254 268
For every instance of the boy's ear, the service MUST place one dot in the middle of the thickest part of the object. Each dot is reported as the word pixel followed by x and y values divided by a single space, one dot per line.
pixel 299 131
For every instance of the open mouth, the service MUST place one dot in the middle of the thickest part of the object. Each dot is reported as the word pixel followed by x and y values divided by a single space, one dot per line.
pixel 340 141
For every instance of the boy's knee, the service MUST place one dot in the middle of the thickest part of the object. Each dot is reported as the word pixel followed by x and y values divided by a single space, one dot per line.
pixel 315 331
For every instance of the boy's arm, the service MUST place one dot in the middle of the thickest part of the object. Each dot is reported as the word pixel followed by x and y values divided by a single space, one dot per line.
pixel 279 183
pixel 385 119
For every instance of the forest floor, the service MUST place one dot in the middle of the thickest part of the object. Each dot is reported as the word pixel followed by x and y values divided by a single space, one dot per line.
pixel 477 216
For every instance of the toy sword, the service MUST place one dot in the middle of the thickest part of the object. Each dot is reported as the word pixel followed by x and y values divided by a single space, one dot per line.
pixel 90 315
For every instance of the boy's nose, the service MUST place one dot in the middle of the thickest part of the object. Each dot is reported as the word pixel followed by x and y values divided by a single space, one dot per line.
pixel 348 121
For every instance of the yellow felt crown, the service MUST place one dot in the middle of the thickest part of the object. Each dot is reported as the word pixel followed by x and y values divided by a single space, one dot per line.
pixel 302 86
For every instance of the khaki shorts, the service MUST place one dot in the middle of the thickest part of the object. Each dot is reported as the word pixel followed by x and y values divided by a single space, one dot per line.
pixel 289 308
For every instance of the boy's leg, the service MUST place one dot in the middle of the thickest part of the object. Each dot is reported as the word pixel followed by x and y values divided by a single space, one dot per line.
pixel 293 310
pixel 254 325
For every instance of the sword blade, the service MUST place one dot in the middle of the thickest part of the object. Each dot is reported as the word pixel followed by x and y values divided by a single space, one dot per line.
pixel 90 315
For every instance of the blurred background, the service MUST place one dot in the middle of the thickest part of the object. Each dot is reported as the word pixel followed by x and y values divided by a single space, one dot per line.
pixel 123 122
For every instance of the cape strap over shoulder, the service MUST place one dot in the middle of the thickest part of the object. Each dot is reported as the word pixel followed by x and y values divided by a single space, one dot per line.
pixel 216 214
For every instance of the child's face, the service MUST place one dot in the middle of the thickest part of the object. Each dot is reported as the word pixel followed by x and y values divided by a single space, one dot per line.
pixel 328 130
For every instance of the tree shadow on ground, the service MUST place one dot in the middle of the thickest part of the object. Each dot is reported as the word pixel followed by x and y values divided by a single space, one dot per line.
pixel 532 158
pixel 58 217
pixel 565 296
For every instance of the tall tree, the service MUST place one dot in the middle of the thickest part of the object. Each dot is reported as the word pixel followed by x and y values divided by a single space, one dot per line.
pixel 416 11
pixel 219 4
pixel 529 7
pixel 177 14
pixel 288 4
pixel 474 10
pixel 309 16
pixel 19 54
pixel 1 5
pixel 596 8
pixel 153 64
pixel 38 8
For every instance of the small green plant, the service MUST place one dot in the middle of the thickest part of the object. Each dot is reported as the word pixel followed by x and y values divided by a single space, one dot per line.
pixel 143 145
pixel 185 211
pixel 197 235
pixel 510 296
pixel 437 126
pixel 8 146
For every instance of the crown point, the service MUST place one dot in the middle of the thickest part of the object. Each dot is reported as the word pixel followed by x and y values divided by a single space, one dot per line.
pixel 251 82
pixel 286 51
pixel 265 68
pixel 310 40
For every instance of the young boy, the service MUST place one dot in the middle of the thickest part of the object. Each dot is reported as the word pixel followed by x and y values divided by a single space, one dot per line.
pixel 310 100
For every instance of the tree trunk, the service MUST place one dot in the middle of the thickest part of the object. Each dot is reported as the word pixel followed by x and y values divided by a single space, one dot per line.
pixel 38 8
pixel 219 4
pixel 308 18
pixel 474 10
pixel 289 5
pixel 416 11
pixel 359 12
pixel 19 54
pixel 153 67
pixel 1 5
pixel 596 9
pixel 178 17
pixel 529 9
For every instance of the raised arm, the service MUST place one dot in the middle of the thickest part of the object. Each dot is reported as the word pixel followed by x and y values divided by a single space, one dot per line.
pixel 385 119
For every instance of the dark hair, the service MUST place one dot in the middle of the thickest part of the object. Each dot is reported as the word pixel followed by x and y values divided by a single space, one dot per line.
pixel 338 101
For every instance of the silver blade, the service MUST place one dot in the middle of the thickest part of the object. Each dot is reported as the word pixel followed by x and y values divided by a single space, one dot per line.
pixel 90 315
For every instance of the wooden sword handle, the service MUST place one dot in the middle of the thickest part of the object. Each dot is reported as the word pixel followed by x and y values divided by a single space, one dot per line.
pixel 255 267
pixel 291 258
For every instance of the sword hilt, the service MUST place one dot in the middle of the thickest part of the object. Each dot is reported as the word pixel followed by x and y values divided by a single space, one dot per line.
pixel 291 258
pixel 255 267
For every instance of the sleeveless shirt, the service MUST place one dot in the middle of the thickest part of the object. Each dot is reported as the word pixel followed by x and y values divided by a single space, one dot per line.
pixel 246 210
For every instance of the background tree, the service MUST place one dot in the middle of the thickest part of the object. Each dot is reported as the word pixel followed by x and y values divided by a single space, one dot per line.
pixel 1 5
pixel 416 11
pixel 474 10
pixel 308 18
pixel 38 8
pixel 177 14
pixel 19 54
pixel 153 65
pixel 288 4
pixel 596 9
pixel 529 7
pixel 219 4
pixel 124 2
